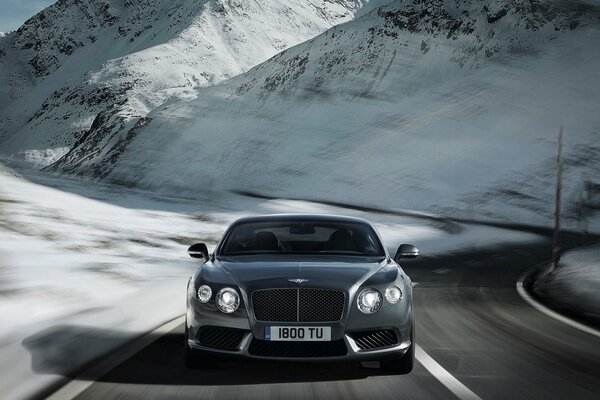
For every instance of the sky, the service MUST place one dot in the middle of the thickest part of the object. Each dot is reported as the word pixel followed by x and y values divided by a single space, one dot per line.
pixel 14 12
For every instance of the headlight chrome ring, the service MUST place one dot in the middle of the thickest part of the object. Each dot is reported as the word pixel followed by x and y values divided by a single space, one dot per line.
pixel 369 301
pixel 204 294
pixel 227 300
pixel 393 294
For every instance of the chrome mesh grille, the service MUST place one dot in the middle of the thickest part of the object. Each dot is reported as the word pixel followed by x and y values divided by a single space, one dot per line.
pixel 298 305
pixel 265 348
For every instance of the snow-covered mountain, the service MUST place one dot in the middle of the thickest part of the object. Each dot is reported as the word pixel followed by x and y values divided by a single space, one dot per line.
pixel 431 105
pixel 436 105
pixel 105 63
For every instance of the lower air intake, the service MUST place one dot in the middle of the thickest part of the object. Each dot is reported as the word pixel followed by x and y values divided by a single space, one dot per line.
pixel 371 340
pixel 221 338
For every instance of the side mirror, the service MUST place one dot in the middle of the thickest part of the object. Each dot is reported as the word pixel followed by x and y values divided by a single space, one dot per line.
pixel 406 251
pixel 198 250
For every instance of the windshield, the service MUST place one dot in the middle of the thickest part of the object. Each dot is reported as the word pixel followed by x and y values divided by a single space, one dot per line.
pixel 302 237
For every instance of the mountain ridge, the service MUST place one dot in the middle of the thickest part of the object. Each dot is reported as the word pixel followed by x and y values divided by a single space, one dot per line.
pixel 126 57
pixel 461 102
pixel 430 105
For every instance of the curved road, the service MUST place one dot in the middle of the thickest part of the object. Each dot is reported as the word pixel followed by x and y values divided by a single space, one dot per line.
pixel 470 320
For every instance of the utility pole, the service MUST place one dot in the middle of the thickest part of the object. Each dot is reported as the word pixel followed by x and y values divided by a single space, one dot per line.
pixel 556 235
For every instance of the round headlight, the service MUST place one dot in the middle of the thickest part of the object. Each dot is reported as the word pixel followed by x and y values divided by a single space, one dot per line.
pixel 369 301
pixel 228 300
pixel 204 293
pixel 393 294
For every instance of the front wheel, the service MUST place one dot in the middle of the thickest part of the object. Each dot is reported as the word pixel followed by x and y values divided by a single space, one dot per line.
pixel 403 365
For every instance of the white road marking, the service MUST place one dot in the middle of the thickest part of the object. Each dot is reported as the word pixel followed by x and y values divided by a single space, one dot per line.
pixel 77 386
pixel 542 308
pixel 445 378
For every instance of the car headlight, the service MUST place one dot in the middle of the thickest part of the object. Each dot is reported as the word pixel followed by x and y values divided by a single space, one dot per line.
pixel 393 294
pixel 228 300
pixel 369 301
pixel 204 294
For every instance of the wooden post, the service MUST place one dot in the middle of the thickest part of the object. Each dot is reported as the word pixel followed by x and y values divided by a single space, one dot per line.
pixel 556 234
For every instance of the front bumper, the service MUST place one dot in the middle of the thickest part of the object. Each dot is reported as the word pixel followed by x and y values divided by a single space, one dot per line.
pixel 353 353
pixel 249 335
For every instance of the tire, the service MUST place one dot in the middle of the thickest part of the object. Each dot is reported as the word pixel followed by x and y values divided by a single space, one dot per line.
pixel 403 365
pixel 196 360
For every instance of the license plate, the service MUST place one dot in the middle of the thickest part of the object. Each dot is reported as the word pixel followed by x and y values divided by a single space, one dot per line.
pixel 298 333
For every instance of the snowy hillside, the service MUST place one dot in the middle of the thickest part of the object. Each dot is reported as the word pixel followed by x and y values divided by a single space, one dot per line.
pixel 440 106
pixel 106 63
pixel 96 277
pixel 444 106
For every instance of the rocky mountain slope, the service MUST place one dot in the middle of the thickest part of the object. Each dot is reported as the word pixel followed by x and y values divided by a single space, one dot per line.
pixel 450 106
pixel 447 106
pixel 105 63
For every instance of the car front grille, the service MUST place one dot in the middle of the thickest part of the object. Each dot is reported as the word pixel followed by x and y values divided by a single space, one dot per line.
pixel 221 338
pixel 370 340
pixel 265 348
pixel 298 305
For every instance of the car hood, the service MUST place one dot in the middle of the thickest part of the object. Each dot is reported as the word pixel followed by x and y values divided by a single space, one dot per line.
pixel 259 272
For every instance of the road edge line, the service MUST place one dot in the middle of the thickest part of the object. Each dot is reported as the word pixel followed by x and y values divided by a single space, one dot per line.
pixel 443 376
pixel 76 386
pixel 549 312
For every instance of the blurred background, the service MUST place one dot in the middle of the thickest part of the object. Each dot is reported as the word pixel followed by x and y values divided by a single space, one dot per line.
pixel 132 129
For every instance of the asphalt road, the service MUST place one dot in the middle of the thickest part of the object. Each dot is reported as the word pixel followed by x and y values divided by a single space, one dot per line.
pixel 470 320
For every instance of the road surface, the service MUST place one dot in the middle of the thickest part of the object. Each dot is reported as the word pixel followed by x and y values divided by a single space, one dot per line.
pixel 474 329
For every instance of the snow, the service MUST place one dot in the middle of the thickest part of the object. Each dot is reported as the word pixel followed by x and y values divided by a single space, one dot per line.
pixel 394 109
pixel 574 287
pixel 82 262
pixel 73 265
pixel 453 111
pixel 77 60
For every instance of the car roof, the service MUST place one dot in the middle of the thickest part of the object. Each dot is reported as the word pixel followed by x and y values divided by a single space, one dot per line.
pixel 301 217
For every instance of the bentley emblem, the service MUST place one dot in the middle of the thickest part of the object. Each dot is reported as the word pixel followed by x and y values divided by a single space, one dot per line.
pixel 300 280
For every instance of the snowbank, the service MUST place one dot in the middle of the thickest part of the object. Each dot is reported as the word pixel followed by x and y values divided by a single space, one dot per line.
pixel 574 287
pixel 71 267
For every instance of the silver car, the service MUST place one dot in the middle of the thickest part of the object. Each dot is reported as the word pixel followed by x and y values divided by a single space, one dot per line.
pixel 300 288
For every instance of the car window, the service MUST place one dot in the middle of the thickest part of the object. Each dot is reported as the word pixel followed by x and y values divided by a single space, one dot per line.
pixel 302 237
